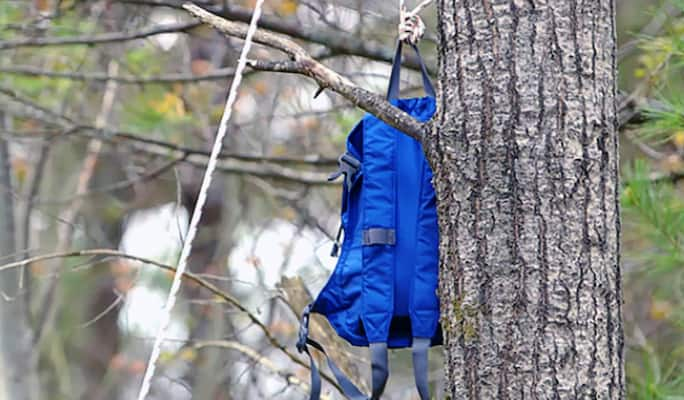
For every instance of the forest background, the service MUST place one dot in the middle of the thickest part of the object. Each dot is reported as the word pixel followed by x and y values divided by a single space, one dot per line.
pixel 108 110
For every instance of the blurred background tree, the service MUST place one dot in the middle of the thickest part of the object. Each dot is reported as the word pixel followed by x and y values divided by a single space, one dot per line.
pixel 108 111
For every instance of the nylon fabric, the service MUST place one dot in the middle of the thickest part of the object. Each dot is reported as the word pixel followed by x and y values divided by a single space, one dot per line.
pixel 379 211
pixel 382 292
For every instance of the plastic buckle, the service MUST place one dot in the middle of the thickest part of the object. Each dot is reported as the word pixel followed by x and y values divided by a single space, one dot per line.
pixel 304 329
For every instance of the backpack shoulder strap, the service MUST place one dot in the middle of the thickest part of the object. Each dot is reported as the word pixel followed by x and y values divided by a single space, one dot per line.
pixel 395 77
pixel 424 304
pixel 379 366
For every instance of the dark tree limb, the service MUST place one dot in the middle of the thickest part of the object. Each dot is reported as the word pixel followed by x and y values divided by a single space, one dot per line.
pixel 302 63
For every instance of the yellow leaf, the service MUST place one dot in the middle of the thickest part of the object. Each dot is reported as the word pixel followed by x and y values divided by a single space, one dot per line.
pixel 287 7
pixel 261 87
pixel 660 310
pixel 188 354
pixel 171 105
pixel 628 194
pixel 21 168
pixel 288 214
pixel 678 140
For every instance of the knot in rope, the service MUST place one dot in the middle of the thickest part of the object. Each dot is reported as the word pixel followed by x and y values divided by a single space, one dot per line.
pixel 411 26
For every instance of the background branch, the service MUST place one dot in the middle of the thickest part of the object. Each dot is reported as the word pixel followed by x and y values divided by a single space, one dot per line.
pixel 96 39
pixel 189 276
pixel 306 65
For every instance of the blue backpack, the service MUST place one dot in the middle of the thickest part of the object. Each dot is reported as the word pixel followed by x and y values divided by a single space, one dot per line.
pixel 383 291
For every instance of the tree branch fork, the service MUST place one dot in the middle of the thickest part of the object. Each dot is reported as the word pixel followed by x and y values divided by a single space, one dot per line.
pixel 300 62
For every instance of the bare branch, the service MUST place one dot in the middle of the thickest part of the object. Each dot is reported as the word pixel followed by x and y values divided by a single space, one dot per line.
pixel 264 166
pixel 189 276
pixel 96 39
pixel 27 70
pixel 239 30
pixel 304 64
pixel 339 43
pixel 256 357
pixel 52 299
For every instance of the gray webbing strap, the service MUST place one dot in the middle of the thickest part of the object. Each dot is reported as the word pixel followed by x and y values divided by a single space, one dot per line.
pixel 379 368
pixel 375 236
pixel 379 365
pixel 348 165
pixel 349 390
pixel 420 349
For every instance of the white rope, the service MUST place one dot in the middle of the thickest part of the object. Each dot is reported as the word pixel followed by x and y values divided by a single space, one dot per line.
pixel 411 26
pixel 201 199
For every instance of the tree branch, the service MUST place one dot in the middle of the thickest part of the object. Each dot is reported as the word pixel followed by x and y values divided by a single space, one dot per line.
pixel 339 43
pixel 256 357
pixel 264 166
pixel 189 276
pixel 28 70
pixel 90 40
pixel 302 63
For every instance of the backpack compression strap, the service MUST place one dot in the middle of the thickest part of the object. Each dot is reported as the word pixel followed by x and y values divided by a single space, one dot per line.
pixel 348 166
pixel 395 78
pixel 379 366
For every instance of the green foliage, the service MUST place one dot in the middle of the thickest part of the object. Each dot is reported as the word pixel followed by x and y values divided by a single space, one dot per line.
pixel 10 13
pixel 155 110
pixel 345 122
pixel 660 210
pixel 653 379
pixel 653 224
pixel 664 122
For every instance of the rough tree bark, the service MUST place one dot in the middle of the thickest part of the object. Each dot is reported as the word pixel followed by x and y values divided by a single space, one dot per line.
pixel 525 154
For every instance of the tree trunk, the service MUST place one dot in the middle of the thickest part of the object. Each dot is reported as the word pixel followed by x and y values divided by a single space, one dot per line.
pixel 17 377
pixel 525 156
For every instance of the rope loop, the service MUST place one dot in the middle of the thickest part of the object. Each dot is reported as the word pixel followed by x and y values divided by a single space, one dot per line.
pixel 411 26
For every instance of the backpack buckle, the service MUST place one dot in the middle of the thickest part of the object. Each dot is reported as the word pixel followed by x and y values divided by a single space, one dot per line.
pixel 348 165
pixel 304 328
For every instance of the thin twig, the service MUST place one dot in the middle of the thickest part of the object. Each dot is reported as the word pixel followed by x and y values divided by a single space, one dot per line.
pixel 96 39
pixel 256 357
pixel 189 276
pixel 52 298
pixel 28 70
pixel 302 63
pixel 199 205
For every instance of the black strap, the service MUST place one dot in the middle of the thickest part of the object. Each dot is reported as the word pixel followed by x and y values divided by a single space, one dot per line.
pixel 395 78
pixel 379 366
pixel 336 244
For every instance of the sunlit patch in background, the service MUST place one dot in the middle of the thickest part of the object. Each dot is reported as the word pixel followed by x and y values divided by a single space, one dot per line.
pixel 153 234
pixel 161 18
